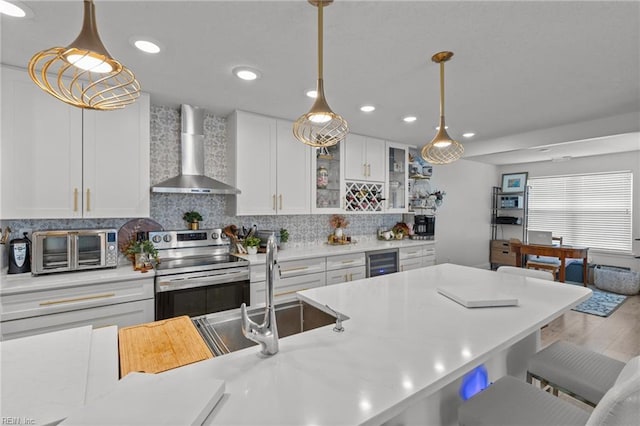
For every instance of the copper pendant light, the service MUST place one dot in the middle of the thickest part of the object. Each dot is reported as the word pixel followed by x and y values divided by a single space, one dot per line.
pixel 320 127
pixel 442 149
pixel 84 74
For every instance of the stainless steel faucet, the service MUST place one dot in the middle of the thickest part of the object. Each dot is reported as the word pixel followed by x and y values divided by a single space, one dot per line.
pixel 266 333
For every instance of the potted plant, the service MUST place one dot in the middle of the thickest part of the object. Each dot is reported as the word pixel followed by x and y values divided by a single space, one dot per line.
pixel 338 222
pixel 252 244
pixel 284 237
pixel 141 253
pixel 193 218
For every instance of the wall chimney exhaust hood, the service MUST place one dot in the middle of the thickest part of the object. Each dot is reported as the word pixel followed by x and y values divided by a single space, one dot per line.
pixel 192 179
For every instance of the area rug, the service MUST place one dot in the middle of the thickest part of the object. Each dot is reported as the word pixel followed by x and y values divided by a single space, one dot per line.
pixel 601 303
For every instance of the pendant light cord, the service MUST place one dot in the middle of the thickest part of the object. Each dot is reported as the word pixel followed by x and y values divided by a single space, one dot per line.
pixel 320 36
pixel 442 89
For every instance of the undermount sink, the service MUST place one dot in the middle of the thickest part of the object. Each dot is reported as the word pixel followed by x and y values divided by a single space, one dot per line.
pixel 223 331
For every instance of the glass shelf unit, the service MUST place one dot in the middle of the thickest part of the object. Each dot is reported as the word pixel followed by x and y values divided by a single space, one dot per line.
pixel 397 194
pixel 326 190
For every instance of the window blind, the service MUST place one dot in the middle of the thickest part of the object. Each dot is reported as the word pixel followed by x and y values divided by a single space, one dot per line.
pixel 591 210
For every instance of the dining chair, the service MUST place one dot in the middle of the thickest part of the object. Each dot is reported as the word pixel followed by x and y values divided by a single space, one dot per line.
pixel 579 372
pixel 510 401
pixel 545 275
pixel 545 263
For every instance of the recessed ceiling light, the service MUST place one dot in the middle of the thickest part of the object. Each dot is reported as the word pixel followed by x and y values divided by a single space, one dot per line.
pixel 409 119
pixel 13 9
pixel 246 73
pixel 367 108
pixel 468 135
pixel 146 45
pixel 312 94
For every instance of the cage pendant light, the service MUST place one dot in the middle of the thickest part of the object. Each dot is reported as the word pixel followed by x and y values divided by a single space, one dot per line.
pixel 442 149
pixel 320 127
pixel 84 74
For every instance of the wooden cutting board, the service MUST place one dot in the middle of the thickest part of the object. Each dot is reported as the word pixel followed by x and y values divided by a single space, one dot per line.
pixel 159 346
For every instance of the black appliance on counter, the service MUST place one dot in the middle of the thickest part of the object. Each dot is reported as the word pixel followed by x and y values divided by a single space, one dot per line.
pixel 19 256
pixel 197 275
pixel 424 227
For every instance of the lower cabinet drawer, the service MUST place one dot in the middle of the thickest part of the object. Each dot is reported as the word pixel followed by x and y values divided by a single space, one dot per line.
pixel 345 261
pixel 410 252
pixel 286 288
pixel 122 315
pixel 411 263
pixel 429 260
pixel 347 274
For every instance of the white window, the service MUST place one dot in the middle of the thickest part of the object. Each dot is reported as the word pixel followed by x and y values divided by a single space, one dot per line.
pixel 592 210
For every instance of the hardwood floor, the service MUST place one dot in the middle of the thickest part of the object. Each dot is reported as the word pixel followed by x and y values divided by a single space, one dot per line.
pixel 617 336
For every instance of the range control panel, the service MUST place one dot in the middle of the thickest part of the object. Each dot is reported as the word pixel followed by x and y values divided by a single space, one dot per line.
pixel 188 238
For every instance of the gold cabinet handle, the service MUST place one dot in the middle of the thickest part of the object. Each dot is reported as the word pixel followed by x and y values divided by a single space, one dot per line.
pixel 284 293
pixel 75 199
pixel 300 268
pixel 274 201
pixel 88 200
pixel 368 170
pixel 77 299
pixel 350 277
pixel 280 201
pixel 348 261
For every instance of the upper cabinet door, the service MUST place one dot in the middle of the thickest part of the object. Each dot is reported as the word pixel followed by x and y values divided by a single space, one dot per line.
pixel 41 152
pixel 254 140
pixel 293 172
pixel 355 167
pixel 375 159
pixel 116 161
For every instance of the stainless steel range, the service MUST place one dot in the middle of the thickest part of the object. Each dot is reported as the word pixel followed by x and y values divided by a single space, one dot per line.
pixel 197 275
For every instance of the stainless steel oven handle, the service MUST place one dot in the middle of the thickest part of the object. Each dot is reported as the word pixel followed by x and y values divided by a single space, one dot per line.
pixel 178 283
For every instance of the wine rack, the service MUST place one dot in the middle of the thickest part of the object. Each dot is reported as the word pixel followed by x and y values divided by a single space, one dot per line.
pixel 364 197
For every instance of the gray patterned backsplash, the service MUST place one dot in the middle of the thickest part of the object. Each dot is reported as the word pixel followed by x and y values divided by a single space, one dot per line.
pixel 167 209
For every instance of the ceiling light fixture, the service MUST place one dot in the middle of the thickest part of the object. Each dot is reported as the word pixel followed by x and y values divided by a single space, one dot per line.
pixel 11 9
pixel 409 119
pixel 146 45
pixel 468 135
pixel 246 73
pixel 320 126
pixel 84 74
pixel 442 149
pixel 367 108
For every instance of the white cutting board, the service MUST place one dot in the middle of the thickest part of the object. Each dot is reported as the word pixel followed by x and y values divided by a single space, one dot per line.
pixel 44 377
pixel 182 396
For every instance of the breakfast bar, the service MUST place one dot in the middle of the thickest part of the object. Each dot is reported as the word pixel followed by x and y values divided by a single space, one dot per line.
pixel 402 355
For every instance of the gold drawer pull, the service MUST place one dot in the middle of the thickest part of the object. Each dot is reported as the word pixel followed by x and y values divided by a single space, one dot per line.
pixel 75 199
pixel 348 261
pixel 88 200
pixel 300 268
pixel 284 293
pixel 77 299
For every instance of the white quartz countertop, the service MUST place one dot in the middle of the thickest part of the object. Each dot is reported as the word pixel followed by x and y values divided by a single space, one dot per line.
pixel 296 253
pixel 19 283
pixel 403 341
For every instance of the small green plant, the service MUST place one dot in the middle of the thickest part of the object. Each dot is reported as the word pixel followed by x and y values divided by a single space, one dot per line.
pixel 192 216
pixel 143 246
pixel 252 242
pixel 284 235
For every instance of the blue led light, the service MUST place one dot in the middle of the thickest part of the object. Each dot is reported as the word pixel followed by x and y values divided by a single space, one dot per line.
pixel 474 382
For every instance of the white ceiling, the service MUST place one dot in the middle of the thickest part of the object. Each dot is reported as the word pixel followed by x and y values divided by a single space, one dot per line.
pixel 518 66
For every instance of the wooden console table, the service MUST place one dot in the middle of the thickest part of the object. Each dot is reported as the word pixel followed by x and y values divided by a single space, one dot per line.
pixel 561 252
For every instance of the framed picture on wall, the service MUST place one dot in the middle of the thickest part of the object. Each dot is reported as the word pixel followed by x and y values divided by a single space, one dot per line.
pixel 514 182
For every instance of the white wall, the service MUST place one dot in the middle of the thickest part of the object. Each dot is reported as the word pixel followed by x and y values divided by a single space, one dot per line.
pixel 601 163
pixel 462 222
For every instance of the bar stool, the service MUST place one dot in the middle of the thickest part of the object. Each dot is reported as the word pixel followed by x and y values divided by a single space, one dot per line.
pixel 581 373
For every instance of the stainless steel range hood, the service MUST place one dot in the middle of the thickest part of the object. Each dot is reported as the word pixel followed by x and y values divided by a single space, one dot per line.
pixel 192 179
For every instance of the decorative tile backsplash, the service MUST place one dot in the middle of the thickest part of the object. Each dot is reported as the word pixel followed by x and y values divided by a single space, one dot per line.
pixel 167 209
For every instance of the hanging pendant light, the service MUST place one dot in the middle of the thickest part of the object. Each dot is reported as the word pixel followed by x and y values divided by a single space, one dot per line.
pixel 442 149
pixel 84 74
pixel 320 127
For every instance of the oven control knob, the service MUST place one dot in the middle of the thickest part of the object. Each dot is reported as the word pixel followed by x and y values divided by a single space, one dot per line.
pixel 215 236
pixel 167 238
pixel 224 237
pixel 156 239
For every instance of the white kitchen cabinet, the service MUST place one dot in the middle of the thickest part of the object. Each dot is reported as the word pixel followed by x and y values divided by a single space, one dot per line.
pixel 292 276
pixel 327 189
pixel 396 178
pixel 417 256
pixel 346 267
pixel 118 302
pixel 59 161
pixel 272 169
pixel 345 275
pixel 364 158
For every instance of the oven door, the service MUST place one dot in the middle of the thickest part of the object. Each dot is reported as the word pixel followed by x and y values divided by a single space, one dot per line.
pixel 201 293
